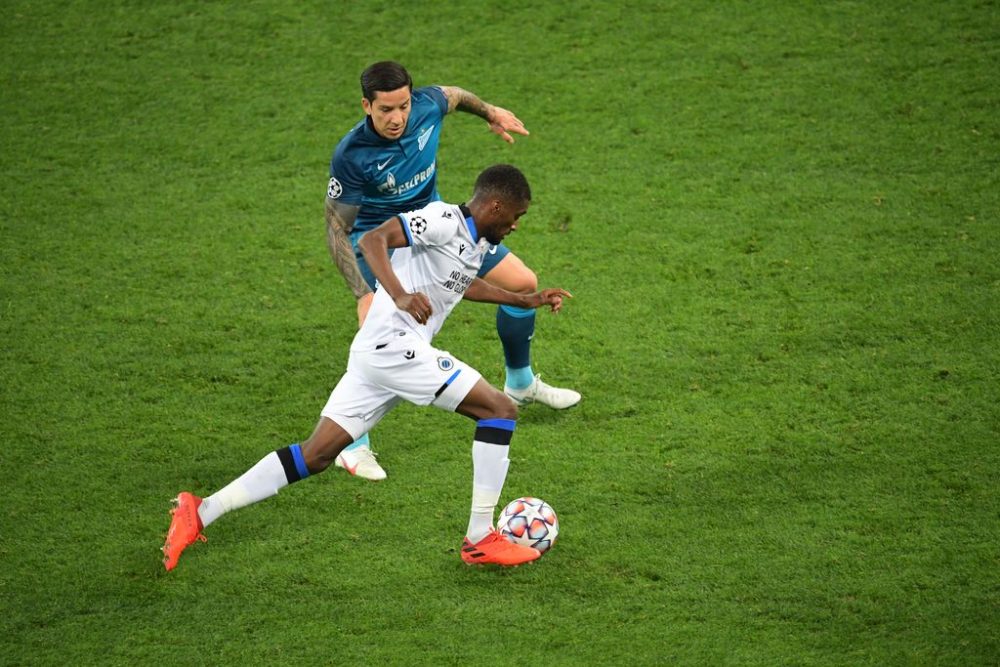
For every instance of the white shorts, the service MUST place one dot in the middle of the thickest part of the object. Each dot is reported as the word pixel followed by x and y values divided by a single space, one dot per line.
pixel 406 368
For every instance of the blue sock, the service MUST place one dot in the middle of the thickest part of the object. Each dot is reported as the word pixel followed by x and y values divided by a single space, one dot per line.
pixel 516 326
pixel 360 442
pixel 519 378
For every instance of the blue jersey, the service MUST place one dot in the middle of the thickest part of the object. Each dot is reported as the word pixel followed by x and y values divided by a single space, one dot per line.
pixel 386 177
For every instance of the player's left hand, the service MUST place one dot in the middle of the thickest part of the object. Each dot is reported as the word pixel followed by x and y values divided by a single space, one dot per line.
pixel 503 122
pixel 553 298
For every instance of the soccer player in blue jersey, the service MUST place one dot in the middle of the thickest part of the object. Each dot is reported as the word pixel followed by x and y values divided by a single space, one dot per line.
pixel 386 165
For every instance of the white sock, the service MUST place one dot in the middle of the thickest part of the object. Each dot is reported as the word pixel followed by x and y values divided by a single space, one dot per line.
pixel 489 471
pixel 262 481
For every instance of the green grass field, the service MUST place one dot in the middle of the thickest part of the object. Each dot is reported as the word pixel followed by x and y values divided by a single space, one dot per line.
pixel 780 224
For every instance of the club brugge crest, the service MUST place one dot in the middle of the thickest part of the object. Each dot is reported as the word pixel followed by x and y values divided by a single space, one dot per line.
pixel 445 364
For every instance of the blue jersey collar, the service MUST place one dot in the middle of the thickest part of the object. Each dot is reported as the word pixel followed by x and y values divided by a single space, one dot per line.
pixel 469 222
pixel 375 136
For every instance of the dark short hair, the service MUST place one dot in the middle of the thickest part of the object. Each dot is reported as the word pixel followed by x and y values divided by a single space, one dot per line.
pixel 383 77
pixel 504 181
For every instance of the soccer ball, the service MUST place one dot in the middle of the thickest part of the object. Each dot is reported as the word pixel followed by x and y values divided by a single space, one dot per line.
pixel 529 521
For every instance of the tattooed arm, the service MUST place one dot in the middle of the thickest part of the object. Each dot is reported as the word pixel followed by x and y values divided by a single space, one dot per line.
pixel 339 223
pixel 502 121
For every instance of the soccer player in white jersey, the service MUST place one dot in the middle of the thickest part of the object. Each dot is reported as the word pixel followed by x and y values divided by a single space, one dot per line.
pixel 392 359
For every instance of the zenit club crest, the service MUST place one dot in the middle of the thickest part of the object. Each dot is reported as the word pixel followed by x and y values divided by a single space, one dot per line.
pixel 424 137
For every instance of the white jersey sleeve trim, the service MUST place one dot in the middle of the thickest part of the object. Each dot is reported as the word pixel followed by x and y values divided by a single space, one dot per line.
pixel 406 228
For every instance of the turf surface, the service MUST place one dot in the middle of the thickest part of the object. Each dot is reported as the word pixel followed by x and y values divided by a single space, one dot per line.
pixel 780 222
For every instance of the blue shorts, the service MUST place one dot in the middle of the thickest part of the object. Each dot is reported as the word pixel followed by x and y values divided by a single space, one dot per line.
pixel 493 257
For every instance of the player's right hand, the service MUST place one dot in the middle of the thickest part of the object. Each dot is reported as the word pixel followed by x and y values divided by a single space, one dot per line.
pixel 417 305
pixel 553 298
pixel 503 122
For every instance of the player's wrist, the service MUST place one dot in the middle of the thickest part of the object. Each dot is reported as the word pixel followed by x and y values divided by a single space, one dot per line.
pixel 531 301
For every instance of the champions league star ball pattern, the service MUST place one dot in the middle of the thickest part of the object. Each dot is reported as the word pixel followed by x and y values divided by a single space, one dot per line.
pixel 529 521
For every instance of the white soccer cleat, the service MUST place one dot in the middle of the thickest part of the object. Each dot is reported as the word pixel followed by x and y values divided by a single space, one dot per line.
pixel 546 394
pixel 361 462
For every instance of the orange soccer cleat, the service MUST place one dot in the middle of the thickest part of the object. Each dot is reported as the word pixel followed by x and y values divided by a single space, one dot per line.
pixel 495 549
pixel 185 528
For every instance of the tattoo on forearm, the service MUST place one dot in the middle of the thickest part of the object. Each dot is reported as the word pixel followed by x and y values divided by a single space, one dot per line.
pixel 343 254
pixel 470 103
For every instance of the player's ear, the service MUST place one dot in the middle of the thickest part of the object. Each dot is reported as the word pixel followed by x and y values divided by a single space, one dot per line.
pixel 366 105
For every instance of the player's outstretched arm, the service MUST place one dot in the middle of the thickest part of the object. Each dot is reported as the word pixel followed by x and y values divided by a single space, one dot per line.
pixel 484 292
pixel 502 122
pixel 339 222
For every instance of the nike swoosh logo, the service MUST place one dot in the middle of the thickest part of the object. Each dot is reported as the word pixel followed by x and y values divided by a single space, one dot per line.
pixel 348 468
pixel 382 165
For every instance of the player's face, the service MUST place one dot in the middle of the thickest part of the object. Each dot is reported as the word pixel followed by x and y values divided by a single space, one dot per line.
pixel 389 112
pixel 504 220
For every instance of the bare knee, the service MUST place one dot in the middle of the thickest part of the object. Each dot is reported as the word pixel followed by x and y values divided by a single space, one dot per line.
pixel 324 445
pixel 319 459
pixel 504 407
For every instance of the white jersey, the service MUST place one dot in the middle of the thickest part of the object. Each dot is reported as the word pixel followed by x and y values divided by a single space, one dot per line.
pixel 443 258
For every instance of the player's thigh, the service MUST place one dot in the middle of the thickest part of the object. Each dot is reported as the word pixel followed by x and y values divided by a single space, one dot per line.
pixel 419 373
pixel 356 404
pixel 512 274
pixel 364 305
